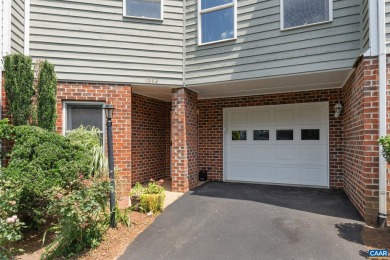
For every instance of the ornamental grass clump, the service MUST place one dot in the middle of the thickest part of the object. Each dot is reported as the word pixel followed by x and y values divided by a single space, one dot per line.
pixel 88 138
pixel 152 197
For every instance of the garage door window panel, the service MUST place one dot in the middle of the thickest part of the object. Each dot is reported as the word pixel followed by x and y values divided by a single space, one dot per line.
pixel 239 135
pixel 261 135
pixel 285 135
pixel 310 134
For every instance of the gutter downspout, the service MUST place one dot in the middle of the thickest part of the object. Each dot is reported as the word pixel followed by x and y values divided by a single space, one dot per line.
pixel 382 216
pixel 184 41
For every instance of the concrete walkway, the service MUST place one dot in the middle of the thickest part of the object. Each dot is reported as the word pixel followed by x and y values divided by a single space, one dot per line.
pixel 248 221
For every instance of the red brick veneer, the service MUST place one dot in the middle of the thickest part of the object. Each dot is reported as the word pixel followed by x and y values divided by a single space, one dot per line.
pixel 361 123
pixel 150 138
pixel 120 97
pixel 211 128
pixel 184 140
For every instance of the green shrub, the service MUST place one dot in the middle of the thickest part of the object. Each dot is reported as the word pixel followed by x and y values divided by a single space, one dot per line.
pixel 154 187
pixel 41 160
pixel 151 197
pixel 10 224
pixel 136 191
pixel 384 141
pixel 18 86
pixel 88 139
pixel 83 218
pixel 152 202
pixel 47 94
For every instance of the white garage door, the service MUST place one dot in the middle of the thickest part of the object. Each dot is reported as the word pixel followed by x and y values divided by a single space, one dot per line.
pixel 285 144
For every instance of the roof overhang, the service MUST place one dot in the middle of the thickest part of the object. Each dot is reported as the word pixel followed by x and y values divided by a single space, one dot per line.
pixel 292 83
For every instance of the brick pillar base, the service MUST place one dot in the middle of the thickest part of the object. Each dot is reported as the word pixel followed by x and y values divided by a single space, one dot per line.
pixel 184 140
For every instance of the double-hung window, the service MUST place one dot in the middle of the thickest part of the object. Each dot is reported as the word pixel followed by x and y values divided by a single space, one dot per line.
pixel 299 13
pixel 149 9
pixel 216 20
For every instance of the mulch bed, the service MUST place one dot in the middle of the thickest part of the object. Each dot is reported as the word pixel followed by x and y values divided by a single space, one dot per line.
pixel 376 238
pixel 113 245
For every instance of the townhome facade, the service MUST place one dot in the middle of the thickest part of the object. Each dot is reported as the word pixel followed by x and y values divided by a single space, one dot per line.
pixel 284 92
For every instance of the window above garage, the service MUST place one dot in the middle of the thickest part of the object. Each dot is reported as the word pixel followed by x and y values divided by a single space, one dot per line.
pixel 300 13
pixel 146 9
pixel 216 21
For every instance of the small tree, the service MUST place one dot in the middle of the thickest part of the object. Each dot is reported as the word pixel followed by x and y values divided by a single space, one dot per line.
pixel 47 92
pixel 18 85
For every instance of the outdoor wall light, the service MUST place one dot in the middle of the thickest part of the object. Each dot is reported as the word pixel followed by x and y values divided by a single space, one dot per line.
pixel 109 111
pixel 337 109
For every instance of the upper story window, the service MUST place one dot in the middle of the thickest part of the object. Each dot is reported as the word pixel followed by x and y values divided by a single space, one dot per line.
pixel 216 20
pixel 149 9
pixel 298 13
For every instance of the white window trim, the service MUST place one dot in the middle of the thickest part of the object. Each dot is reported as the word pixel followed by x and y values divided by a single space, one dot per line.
pixel 83 103
pixel 305 25
pixel 144 18
pixel 212 9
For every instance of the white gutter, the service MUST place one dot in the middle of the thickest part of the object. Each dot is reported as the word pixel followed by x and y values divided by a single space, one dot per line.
pixel 26 27
pixel 382 216
pixel 184 52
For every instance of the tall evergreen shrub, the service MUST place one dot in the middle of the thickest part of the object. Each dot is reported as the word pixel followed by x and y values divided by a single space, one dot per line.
pixel 18 86
pixel 46 100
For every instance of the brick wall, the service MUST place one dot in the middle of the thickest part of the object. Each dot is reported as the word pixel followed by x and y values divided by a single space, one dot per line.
pixel 211 128
pixel 6 145
pixel 120 97
pixel 184 140
pixel 150 155
pixel 361 124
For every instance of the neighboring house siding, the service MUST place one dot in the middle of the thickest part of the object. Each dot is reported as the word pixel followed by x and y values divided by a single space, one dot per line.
pixel 1 28
pixel 17 26
pixel 91 41
pixel 263 50
pixel 365 23
pixel 388 25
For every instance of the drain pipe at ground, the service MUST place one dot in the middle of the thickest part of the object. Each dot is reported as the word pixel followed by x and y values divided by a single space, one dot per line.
pixel 382 216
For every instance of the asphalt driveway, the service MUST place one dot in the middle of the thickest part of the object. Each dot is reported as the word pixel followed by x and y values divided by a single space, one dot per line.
pixel 249 221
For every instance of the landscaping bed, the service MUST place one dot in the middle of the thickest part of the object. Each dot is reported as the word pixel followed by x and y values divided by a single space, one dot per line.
pixel 113 244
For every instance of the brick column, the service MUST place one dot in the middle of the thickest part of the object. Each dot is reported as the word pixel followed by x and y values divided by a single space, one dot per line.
pixel 184 140
pixel 361 129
